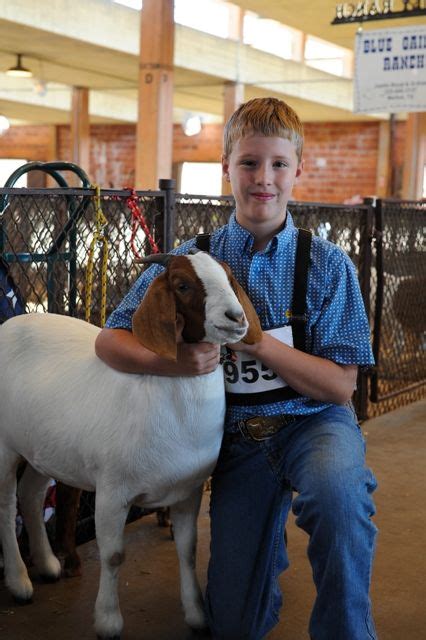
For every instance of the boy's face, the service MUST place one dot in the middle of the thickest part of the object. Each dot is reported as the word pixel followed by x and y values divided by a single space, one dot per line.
pixel 262 171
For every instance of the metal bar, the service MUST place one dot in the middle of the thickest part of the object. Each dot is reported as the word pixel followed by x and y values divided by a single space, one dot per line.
pixel 77 191
pixel 51 307
pixel 398 392
pixel 35 257
pixel 168 187
pixel 378 236
pixel 364 275
pixel 72 272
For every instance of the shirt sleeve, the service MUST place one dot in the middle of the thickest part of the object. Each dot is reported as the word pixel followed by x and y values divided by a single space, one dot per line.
pixel 342 331
pixel 121 317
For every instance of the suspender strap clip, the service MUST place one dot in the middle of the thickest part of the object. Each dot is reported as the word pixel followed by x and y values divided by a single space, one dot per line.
pixel 202 242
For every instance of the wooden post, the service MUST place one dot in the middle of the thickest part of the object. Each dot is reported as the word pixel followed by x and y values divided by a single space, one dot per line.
pixel 154 132
pixel 414 157
pixel 80 130
pixel 384 160
pixel 233 93
pixel 233 96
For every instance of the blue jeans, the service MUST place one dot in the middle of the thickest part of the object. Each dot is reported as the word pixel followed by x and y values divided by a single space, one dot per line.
pixel 322 458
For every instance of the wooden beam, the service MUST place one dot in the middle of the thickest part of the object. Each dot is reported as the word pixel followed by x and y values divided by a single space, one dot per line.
pixel 80 130
pixel 154 132
pixel 414 157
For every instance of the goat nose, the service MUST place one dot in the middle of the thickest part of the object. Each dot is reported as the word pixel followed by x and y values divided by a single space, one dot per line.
pixel 235 317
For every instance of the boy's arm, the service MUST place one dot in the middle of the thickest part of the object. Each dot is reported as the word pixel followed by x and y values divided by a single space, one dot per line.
pixel 122 351
pixel 312 376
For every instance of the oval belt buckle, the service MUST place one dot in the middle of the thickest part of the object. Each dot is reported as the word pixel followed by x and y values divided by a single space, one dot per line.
pixel 259 428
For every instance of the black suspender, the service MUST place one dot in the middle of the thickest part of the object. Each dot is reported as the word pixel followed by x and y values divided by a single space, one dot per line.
pixel 298 318
pixel 202 242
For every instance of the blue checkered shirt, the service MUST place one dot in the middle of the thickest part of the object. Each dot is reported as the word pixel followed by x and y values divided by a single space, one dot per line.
pixel 337 325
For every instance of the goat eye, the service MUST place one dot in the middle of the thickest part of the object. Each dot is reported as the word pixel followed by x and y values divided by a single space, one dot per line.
pixel 183 287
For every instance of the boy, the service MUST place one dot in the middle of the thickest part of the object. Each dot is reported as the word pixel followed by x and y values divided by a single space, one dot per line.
pixel 289 425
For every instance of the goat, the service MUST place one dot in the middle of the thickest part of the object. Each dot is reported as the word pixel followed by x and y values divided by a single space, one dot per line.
pixel 135 439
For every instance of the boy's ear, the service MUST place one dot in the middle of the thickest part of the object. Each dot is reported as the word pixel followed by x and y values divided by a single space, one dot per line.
pixel 300 168
pixel 225 168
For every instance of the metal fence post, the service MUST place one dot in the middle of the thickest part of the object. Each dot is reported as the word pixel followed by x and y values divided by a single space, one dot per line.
pixel 364 275
pixel 378 235
pixel 168 186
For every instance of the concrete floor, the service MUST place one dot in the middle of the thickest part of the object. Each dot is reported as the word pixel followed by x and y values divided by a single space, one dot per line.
pixel 149 581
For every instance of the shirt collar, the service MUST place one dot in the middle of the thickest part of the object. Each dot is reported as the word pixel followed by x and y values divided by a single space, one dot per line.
pixel 242 240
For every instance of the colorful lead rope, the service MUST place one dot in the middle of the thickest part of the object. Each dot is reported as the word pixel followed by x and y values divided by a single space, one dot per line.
pixel 99 239
pixel 138 220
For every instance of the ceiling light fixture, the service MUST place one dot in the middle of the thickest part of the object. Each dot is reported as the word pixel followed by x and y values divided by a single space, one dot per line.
pixel 19 71
pixel 192 125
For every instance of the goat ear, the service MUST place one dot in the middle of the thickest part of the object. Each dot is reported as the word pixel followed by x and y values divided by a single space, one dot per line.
pixel 254 333
pixel 154 321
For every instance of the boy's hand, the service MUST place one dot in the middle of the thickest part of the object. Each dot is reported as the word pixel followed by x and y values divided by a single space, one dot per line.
pixel 194 359
pixel 197 359
pixel 243 346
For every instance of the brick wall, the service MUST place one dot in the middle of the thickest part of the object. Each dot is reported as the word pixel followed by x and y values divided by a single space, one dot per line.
pixel 340 158
pixel 112 154
pixel 340 161
pixel 32 142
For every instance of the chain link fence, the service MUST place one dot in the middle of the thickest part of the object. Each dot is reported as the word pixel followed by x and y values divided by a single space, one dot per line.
pixel 45 235
pixel 400 305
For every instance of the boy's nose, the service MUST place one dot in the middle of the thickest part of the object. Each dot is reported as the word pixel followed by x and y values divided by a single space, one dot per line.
pixel 263 175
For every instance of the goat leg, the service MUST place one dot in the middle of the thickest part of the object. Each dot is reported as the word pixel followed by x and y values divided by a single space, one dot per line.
pixel 110 519
pixel 184 517
pixel 67 504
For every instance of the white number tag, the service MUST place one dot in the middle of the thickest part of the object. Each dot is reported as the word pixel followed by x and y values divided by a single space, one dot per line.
pixel 248 375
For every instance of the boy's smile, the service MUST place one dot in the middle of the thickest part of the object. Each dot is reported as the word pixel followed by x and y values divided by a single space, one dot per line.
pixel 262 171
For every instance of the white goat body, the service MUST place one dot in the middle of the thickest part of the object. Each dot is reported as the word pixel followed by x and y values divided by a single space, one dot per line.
pixel 70 406
pixel 150 440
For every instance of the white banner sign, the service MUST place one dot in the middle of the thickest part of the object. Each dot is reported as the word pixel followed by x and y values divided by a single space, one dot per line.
pixel 390 70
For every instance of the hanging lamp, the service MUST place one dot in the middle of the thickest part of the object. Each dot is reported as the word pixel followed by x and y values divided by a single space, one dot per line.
pixel 19 71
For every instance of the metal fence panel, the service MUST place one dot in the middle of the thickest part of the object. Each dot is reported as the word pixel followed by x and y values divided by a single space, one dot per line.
pixel 400 305
pixel 49 264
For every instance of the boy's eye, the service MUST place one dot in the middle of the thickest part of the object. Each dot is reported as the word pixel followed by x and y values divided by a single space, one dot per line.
pixel 280 164
pixel 248 163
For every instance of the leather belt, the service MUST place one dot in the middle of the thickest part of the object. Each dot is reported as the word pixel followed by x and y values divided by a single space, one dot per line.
pixel 259 428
